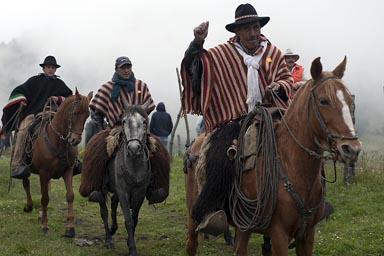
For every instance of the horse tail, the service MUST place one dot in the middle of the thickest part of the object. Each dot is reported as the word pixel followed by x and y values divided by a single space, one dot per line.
pixel 219 172
pixel 94 164
pixel 160 163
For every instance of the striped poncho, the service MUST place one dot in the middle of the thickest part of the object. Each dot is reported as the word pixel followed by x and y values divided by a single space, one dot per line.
pixel 113 110
pixel 224 83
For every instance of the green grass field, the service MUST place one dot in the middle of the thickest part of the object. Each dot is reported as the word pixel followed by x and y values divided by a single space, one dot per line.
pixel 356 227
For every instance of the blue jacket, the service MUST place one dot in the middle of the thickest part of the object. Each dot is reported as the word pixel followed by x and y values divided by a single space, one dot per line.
pixel 161 122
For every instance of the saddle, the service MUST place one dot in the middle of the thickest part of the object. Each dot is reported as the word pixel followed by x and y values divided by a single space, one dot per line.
pixel 252 146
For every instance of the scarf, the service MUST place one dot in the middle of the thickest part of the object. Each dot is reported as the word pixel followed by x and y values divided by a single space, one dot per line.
pixel 252 62
pixel 121 82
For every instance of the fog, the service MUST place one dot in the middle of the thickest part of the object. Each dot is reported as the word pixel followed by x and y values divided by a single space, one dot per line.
pixel 87 36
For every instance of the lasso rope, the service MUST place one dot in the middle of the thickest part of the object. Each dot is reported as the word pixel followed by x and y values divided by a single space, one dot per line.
pixel 248 213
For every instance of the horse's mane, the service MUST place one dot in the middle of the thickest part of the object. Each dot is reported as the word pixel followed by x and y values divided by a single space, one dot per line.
pixel 64 109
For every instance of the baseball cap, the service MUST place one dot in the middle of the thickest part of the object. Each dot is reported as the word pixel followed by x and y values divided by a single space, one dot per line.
pixel 121 61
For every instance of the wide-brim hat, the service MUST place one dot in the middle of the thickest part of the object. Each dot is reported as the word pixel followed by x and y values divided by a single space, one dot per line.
pixel 50 60
pixel 244 14
pixel 289 52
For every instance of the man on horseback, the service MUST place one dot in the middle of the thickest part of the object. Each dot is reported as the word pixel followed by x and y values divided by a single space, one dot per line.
pixel 25 102
pixel 109 103
pixel 297 70
pixel 226 82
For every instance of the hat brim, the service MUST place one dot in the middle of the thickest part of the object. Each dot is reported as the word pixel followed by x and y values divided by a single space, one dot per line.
pixel 124 63
pixel 297 56
pixel 45 64
pixel 232 26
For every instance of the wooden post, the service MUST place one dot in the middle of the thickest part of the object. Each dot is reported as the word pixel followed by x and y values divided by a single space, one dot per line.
pixel 179 115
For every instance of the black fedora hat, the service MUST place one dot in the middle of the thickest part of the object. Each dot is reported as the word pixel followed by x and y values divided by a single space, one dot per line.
pixel 246 13
pixel 50 60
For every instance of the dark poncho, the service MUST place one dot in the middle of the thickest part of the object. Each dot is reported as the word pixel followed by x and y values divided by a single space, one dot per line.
pixel 35 91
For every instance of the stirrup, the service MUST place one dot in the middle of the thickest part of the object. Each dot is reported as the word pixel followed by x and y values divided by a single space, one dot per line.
pixel 214 223
pixel 21 172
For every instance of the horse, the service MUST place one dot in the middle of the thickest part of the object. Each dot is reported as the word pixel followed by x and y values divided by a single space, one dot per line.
pixel 54 152
pixel 128 172
pixel 286 202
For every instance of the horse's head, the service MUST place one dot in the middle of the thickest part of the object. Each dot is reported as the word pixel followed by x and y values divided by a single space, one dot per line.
pixel 135 125
pixel 75 113
pixel 330 112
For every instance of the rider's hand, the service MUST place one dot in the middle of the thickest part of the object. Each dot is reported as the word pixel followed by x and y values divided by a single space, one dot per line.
pixel 55 99
pixel 201 32
pixel 23 103
pixel 274 87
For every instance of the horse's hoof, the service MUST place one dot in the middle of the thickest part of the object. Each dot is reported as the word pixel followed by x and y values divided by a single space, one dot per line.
pixel 28 208
pixel 69 232
pixel 45 230
pixel 113 230
pixel 109 245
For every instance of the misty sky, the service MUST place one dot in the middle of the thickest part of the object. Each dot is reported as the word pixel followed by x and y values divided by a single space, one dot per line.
pixel 86 36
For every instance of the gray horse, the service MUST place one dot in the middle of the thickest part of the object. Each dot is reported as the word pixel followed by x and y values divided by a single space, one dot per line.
pixel 128 176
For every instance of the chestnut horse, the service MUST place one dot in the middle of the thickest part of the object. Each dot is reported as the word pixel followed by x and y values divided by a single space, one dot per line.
pixel 317 120
pixel 54 152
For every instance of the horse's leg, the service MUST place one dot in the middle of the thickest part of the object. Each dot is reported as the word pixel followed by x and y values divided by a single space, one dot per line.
pixel 266 246
pixel 70 228
pixel 192 237
pixel 228 237
pixel 104 216
pixel 114 204
pixel 279 242
pixel 129 223
pixel 241 242
pixel 27 188
pixel 44 201
pixel 304 246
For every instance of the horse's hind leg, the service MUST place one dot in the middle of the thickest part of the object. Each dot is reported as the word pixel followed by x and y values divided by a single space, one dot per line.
pixel 27 188
pixel 114 204
pixel 69 229
pixel 104 216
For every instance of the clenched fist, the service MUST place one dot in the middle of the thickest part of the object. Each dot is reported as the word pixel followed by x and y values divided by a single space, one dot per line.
pixel 201 32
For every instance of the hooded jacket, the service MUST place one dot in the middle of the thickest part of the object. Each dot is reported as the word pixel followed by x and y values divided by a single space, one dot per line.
pixel 161 122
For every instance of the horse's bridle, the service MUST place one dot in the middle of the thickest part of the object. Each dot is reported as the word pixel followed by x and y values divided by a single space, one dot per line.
pixel 330 136
pixel 142 143
pixel 69 128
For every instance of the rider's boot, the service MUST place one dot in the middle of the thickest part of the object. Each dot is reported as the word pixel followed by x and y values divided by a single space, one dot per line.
pixel 77 167
pixel 156 196
pixel 214 223
pixel 96 197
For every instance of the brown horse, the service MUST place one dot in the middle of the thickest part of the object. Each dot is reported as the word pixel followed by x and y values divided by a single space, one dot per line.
pixel 54 152
pixel 317 120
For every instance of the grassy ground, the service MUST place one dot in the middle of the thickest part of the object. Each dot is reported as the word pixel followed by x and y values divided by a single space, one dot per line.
pixel 356 227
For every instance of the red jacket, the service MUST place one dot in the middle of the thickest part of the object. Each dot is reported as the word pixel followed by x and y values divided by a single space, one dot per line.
pixel 297 73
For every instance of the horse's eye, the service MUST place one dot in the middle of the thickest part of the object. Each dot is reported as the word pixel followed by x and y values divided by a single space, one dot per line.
pixel 323 101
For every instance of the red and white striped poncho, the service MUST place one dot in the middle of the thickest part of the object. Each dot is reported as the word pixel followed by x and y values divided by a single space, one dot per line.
pixel 224 83
pixel 113 110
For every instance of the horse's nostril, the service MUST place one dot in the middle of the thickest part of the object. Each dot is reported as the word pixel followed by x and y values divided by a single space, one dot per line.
pixel 346 149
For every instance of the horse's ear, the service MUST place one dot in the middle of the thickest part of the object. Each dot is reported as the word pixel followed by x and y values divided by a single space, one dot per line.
pixel 316 68
pixel 339 70
pixel 77 94
pixel 90 95
pixel 146 105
